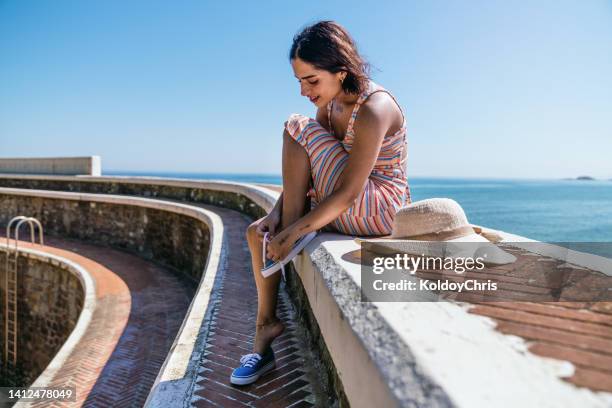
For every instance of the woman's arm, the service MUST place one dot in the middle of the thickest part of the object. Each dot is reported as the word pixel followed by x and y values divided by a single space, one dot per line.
pixel 271 221
pixel 371 125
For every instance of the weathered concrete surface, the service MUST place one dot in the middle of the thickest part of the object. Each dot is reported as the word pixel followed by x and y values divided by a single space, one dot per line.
pixel 416 343
pixel 90 165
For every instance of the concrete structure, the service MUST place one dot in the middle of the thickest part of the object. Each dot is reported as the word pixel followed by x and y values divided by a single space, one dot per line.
pixel 55 296
pixel 116 352
pixel 87 166
pixel 395 354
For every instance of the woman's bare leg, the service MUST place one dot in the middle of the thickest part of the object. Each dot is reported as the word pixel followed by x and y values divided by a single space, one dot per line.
pixel 296 182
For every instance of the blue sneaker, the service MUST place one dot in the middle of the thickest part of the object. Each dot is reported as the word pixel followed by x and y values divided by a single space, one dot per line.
pixel 253 366
pixel 271 267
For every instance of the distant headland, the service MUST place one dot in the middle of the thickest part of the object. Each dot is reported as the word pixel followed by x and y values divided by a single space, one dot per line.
pixel 581 178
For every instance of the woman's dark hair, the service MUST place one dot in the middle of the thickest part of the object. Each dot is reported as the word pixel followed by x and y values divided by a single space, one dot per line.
pixel 327 45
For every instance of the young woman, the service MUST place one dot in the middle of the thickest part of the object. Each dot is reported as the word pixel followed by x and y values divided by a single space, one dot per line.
pixel 350 162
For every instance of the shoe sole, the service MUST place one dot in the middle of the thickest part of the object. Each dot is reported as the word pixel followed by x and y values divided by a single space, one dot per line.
pixel 251 379
pixel 296 250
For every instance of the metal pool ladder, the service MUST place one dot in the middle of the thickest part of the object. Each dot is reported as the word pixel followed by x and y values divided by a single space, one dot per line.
pixel 10 302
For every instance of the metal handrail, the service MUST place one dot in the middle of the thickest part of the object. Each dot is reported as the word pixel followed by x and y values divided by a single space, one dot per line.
pixel 8 227
pixel 20 220
pixel 30 221
pixel 40 230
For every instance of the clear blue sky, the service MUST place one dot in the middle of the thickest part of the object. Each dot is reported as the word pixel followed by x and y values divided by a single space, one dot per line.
pixel 490 88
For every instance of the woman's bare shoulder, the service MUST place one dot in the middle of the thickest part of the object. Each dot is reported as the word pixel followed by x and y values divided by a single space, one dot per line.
pixel 381 107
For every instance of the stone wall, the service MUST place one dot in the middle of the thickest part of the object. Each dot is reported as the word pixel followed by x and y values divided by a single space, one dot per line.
pixel 49 302
pixel 225 199
pixel 176 241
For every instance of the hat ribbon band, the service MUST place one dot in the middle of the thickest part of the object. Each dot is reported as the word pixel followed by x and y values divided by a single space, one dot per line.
pixel 442 235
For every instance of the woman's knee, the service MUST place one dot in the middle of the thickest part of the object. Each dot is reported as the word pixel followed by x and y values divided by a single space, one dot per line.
pixel 251 230
pixel 290 133
pixel 295 125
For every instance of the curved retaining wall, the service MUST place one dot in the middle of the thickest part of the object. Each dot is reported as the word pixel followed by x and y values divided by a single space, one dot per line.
pixel 169 238
pixel 253 202
pixel 51 295
pixel 49 207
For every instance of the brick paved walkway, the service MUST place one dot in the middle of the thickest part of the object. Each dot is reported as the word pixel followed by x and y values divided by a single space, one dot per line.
pixel 293 383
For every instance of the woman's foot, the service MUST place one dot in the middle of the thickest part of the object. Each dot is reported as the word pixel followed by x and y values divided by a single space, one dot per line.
pixel 265 334
pixel 253 366
pixel 256 364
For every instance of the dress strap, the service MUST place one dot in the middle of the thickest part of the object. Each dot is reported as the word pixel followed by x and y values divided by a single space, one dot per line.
pixel 360 100
pixel 331 129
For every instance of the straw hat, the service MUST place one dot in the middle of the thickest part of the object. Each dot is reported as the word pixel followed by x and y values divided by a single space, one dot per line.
pixel 437 227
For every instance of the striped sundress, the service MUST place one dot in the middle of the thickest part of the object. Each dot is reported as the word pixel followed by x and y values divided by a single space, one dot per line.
pixel 386 189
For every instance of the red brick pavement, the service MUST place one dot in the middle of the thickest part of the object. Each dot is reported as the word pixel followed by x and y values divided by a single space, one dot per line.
pixel 293 383
pixel 140 307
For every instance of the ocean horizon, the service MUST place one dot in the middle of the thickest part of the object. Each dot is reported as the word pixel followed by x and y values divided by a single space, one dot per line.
pixel 547 210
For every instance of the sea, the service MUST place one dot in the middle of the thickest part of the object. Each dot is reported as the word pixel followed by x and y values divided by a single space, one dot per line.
pixel 544 210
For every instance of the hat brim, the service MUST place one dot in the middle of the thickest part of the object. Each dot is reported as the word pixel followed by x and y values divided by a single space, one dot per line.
pixel 468 246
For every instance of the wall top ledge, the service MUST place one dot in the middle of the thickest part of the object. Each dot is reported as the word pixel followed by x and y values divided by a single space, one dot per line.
pixel 473 364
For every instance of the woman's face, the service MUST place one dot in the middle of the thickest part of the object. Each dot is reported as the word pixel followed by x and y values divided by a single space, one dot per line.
pixel 318 85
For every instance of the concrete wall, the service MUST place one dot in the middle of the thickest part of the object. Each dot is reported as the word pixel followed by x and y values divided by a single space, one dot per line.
pixel 90 165
pixel 50 299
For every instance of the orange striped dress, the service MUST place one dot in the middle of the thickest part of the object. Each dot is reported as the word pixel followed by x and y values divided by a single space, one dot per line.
pixel 387 187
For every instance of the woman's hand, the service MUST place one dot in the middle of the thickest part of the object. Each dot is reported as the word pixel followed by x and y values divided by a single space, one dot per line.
pixel 268 224
pixel 280 246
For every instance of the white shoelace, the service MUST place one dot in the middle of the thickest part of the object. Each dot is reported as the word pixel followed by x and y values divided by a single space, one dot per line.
pixel 265 244
pixel 249 360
